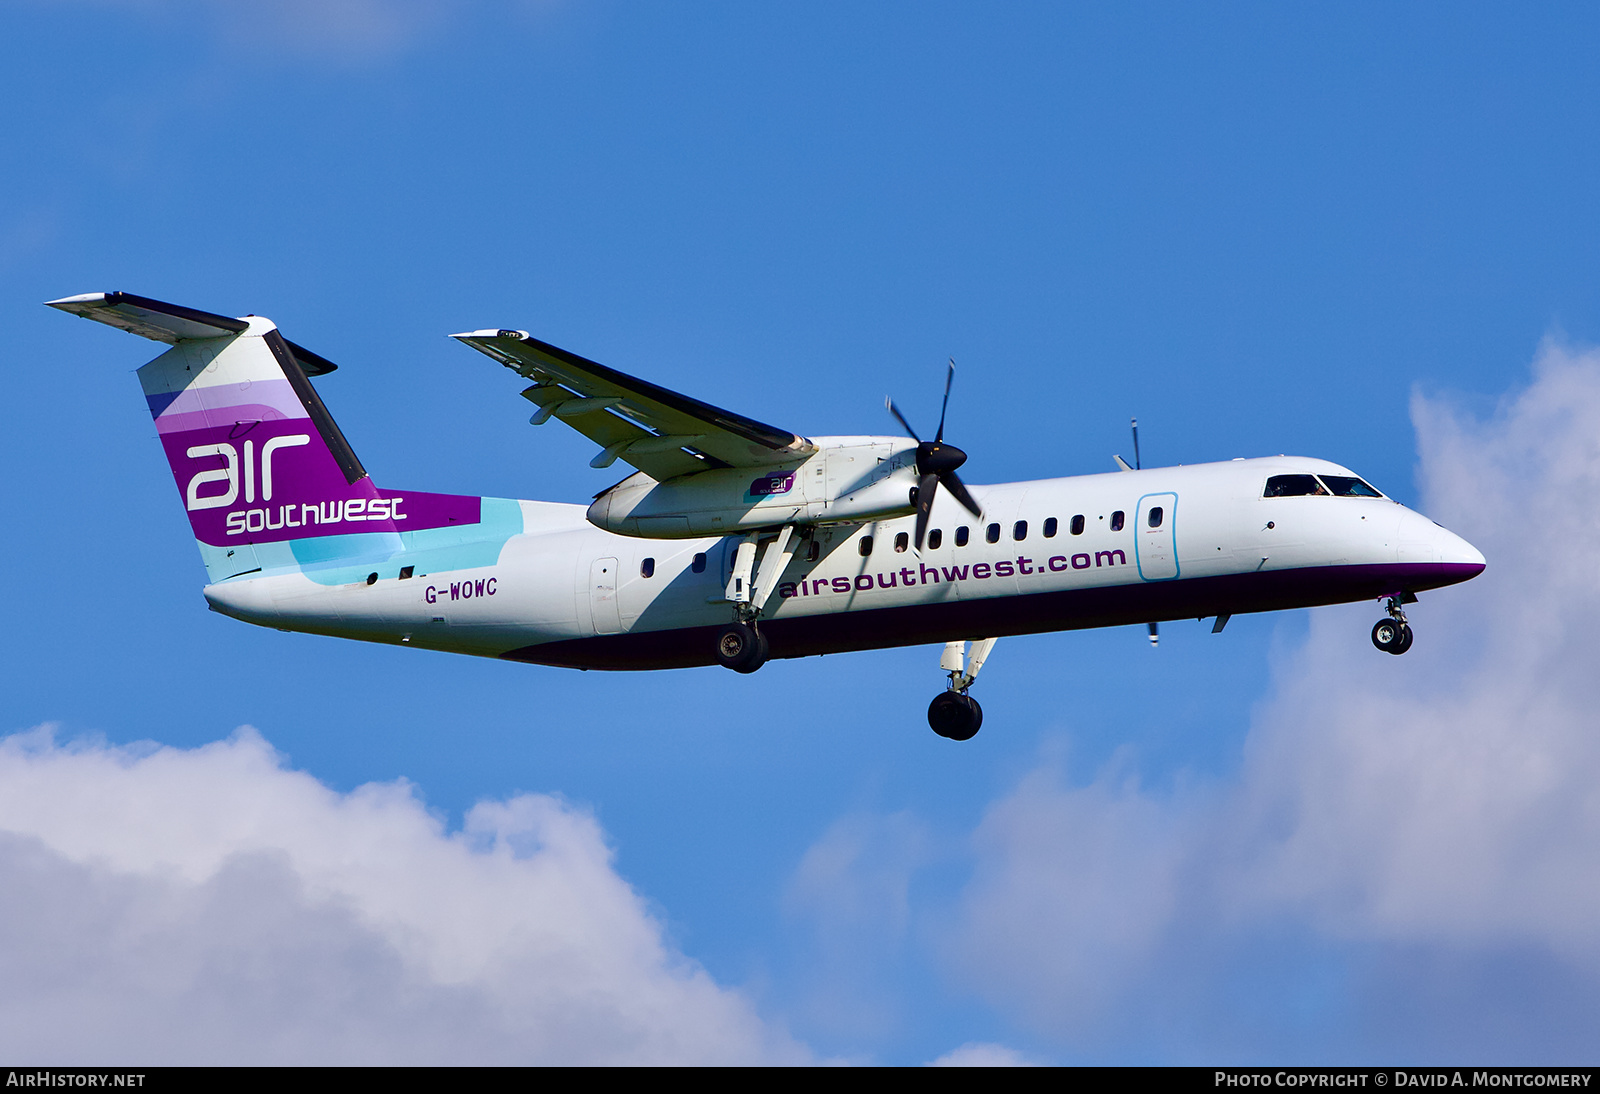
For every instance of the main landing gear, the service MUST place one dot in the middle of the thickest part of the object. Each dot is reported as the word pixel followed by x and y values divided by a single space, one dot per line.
pixel 953 713
pixel 740 645
pixel 1393 635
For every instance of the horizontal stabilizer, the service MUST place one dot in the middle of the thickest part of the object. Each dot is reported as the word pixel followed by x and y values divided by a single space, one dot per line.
pixel 171 323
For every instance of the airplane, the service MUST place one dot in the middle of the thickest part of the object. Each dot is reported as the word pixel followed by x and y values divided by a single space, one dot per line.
pixel 732 542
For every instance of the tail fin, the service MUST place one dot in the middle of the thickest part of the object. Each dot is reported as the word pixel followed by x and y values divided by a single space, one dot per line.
pixel 260 464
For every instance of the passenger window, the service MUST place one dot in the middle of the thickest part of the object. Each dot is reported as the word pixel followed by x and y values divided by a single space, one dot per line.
pixel 647 568
pixel 1348 486
pixel 1077 524
pixel 902 540
pixel 961 536
pixel 1116 521
pixel 992 533
pixel 866 546
pixel 1050 528
pixel 935 538
pixel 1293 486
pixel 1019 531
pixel 699 564
pixel 1155 516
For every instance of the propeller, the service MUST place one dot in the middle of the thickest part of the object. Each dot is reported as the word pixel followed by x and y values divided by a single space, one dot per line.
pixel 936 463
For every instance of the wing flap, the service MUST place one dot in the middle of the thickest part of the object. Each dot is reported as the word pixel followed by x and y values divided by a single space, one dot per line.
pixel 634 420
pixel 616 436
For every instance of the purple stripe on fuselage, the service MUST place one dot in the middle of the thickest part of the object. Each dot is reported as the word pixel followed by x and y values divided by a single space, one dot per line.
pixel 1073 609
pixel 223 404
pixel 240 418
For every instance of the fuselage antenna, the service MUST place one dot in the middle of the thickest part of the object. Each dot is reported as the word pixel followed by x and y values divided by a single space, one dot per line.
pixel 1136 464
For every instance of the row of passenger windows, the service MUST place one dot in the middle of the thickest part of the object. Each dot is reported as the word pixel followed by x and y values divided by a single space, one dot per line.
pixel 697 565
pixel 1299 486
pixel 902 540
pixel 991 533
pixel 647 568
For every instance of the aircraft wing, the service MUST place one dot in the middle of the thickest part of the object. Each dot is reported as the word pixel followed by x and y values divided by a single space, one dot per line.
pixel 662 433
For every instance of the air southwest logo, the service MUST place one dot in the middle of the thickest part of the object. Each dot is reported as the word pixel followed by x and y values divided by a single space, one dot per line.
pixel 779 482
pixel 929 575
pixel 244 469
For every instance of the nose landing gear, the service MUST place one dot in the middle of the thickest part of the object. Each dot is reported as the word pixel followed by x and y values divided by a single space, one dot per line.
pixel 954 714
pixel 1393 635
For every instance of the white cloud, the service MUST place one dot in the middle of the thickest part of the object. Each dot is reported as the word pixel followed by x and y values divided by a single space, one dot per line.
pixel 161 905
pixel 1414 837
pixel 983 1054
pixel 1456 796
pixel 851 893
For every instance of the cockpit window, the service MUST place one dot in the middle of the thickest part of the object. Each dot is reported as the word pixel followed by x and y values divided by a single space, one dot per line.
pixel 1293 486
pixel 1348 486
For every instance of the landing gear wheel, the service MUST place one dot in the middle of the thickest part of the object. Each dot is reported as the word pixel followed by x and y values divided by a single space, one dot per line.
pixel 954 715
pixel 1391 636
pixel 741 647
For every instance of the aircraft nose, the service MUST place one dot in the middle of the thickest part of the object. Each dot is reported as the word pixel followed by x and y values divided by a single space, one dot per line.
pixel 1451 548
pixel 1447 548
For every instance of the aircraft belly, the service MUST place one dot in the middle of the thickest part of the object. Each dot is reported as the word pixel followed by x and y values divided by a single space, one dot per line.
pixel 962 618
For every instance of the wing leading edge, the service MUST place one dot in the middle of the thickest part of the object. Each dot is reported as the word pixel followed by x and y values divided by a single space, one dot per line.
pixel 662 433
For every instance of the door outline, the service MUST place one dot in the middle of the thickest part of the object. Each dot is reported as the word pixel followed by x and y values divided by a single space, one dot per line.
pixel 1141 513
pixel 604 608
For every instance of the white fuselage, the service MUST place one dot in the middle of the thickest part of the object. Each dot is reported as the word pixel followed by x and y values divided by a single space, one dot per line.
pixel 565 592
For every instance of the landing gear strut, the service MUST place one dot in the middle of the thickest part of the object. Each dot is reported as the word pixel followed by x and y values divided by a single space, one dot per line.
pixel 1393 635
pixel 953 713
pixel 740 645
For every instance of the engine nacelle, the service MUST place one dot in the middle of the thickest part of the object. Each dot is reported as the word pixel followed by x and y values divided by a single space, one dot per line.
pixel 848 479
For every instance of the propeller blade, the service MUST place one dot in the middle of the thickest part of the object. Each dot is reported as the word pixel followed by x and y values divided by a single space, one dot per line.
pixel 902 418
pixel 926 486
pixel 949 378
pixel 958 490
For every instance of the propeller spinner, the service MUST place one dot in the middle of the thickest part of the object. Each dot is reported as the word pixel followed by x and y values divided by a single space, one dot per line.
pixel 936 463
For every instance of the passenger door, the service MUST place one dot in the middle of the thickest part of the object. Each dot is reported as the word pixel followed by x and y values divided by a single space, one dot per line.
pixel 603 596
pixel 1155 539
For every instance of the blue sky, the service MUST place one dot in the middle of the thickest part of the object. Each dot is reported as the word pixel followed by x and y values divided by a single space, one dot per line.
pixel 1366 234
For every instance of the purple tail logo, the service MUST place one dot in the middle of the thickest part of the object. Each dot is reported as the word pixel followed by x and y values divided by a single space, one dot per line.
pixel 274 480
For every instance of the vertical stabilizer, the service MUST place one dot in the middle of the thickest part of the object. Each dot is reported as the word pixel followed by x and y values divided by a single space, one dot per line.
pixel 265 475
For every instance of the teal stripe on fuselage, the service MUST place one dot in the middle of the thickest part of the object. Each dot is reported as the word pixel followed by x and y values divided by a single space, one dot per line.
pixel 344 560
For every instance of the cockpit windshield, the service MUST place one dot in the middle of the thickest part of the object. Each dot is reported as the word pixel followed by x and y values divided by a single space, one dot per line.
pixel 1348 486
pixel 1300 486
pixel 1293 486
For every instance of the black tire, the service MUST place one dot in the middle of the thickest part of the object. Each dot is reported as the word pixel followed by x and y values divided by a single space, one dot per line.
pixel 741 648
pixel 1391 636
pixel 955 716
